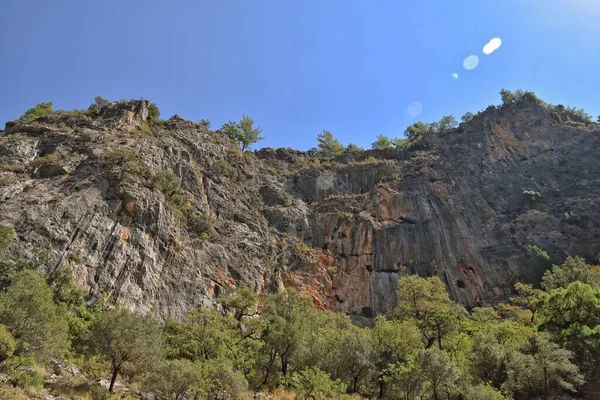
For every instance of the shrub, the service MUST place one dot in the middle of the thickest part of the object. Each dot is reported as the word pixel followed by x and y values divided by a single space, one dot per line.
pixel 153 113
pixel 382 143
pixel 201 224
pixel 101 101
pixel 7 237
pixel 205 123
pixel 226 169
pixel 538 252
pixel 142 129
pixel 352 148
pixel 129 159
pixel 46 159
pixel 370 160
pixel 532 193
pixel 40 110
pixel 170 185
pixel 313 383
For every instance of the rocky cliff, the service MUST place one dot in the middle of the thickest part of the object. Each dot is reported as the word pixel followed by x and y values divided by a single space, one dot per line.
pixel 164 215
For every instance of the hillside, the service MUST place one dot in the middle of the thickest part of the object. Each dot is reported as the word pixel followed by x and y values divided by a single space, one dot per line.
pixel 165 215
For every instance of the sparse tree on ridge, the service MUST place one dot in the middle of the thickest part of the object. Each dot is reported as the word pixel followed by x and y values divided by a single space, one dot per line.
pixel 328 146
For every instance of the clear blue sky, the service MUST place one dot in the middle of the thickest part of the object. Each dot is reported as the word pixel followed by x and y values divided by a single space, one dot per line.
pixel 298 67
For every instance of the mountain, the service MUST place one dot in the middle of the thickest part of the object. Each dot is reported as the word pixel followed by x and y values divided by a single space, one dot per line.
pixel 164 215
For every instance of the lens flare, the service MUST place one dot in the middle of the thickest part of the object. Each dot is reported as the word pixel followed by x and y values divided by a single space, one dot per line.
pixel 455 76
pixel 415 108
pixel 471 62
pixel 492 46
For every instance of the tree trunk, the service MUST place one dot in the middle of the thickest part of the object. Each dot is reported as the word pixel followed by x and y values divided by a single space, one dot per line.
pixel 114 378
pixel 354 383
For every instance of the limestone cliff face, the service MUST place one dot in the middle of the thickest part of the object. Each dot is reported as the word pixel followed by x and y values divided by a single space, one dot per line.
pixel 463 205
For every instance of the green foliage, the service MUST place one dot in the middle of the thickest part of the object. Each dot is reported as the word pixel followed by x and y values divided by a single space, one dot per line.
pixel 541 369
pixel 370 160
pixel 312 383
pixel 7 237
pixel 447 122
pixel 531 193
pixel 527 298
pixel 170 185
pixel 328 146
pixel 8 344
pixel 129 340
pixel 352 148
pixel 572 315
pixel 242 133
pixel 538 252
pixel 417 131
pixel 40 110
pixel 382 143
pixel 427 301
pixel 573 269
pixel 205 123
pixel 101 101
pixel 128 159
pixel 226 169
pixel 440 375
pixel 483 392
pixel 38 325
pixel 467 117
pixel 153 113
pixel 174 379
pixel 519 97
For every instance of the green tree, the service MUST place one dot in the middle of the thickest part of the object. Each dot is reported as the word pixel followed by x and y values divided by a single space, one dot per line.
pixel 447 122
pixel 393 342
pixel 40 110
pixel 404 380
pixel 7 344
pixel 174 379
pixel 467 117
pixel 417 131
pixel 205 334
pixel 352 148
pixel 382 143
pixel 482 392
pixel 426 300
pixel 541 368
pixel 312 383
pixel 129 340
pixel 573 269
pixel 528 298
pixel 440 375
pixel 328 146
pixel 30 315
pixel 572 315
pixel 242 133
pixel 398 143
pixel 288 319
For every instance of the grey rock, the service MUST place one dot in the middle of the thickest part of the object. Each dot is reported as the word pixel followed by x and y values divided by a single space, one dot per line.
pixel 343 232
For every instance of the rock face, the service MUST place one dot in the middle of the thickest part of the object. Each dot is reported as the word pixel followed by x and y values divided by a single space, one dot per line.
pixel 465 205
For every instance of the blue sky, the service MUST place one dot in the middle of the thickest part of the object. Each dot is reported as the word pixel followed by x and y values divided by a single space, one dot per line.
pixel 298 67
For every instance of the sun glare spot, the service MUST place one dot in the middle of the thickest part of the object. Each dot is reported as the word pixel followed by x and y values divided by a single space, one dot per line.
pixel 471 62
pixel 415 108
pixel 492 46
